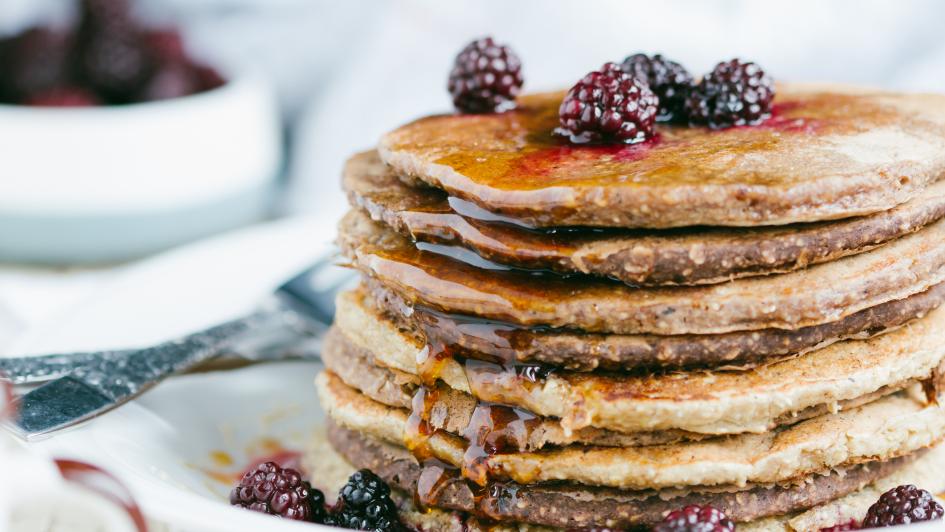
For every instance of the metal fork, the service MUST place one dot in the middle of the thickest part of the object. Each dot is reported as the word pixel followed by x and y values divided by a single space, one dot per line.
pixel 82 386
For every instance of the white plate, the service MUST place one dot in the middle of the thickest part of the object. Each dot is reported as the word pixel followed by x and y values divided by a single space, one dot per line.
pixel 167 445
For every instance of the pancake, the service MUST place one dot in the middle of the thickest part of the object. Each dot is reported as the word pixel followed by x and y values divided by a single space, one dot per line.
pixel 894 426
pixel 827 153
pixel 821 294
pixel 579 351
pixel 329 470
pixel 453 411
pixel 706 402
pixel 684 257
pixel 572 506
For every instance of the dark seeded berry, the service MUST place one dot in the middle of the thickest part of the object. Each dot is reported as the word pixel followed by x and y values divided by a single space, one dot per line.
pixel 116 64
pixel 274 490
pixel 695 519
pixel 608 105
pixel 733 94
pixel 486 77
pixel 903 505
pixel 842 527
pixel 667 79
pixel 364 503
pixel 36 61
pixel 113 54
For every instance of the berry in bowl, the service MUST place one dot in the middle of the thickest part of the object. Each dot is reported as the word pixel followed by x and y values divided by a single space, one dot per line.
pixel 118 143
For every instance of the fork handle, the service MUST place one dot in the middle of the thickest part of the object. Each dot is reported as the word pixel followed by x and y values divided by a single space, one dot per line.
pixel 124 376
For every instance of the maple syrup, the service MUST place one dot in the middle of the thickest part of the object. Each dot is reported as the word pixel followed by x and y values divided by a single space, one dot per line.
pixel 494 429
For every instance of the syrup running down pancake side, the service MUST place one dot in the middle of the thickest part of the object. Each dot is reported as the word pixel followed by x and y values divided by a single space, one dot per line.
pixel 827 153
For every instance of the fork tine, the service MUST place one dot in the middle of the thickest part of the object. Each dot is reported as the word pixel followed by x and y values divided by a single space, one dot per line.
pixel 58 404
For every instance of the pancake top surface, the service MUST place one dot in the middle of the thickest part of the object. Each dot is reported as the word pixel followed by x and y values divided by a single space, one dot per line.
pixel 826 153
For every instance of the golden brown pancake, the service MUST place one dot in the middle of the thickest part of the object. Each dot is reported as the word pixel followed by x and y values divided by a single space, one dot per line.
pixel 454 411
pixel 707 402
pixel 679 257
pixel 820 294
pixel 572 506
pixel 890 427
pixel 329 470
pixel 827 153
pixel 580 351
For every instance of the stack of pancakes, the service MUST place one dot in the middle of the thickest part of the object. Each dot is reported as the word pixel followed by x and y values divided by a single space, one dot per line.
pixel 573 337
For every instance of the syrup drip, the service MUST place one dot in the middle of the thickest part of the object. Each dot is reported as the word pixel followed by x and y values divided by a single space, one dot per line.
pixel 419 430
pixel 494 429
pixel 489 340
pixel 433 478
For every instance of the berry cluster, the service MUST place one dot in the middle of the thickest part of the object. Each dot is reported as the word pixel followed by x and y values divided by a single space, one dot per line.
pixel 106 58
pixel 618 103
pixel 735 93
pixel 364 502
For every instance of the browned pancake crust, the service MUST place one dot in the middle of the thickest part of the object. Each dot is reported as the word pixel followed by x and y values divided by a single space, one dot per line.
pixel 827 154
pixel 572 506
pixel 580 351
pixel 683 257
pixel 821 294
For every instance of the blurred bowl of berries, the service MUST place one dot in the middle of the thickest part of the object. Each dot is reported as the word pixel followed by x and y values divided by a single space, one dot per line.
pixel 117 142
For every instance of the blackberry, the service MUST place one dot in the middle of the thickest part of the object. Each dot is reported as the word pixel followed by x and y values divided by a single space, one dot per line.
pixel 364 503
pixel 104 15
pixel 608 105
pixel 274 490
pixel 669 80
pixel 486 77
pixel 113 54
pixel 903 505
pixel 733 94
pixel 36 61
pixel 695 518
pixel 116 64
pixel 842 527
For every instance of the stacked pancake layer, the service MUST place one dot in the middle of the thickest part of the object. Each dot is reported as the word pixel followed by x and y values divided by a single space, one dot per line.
pixel 747 318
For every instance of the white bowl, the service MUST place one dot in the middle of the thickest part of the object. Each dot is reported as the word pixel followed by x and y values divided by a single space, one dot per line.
pixel 111 183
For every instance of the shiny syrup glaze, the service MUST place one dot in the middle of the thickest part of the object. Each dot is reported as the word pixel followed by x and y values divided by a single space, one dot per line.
pixel 521 153
pixel 400 259
pixel 493 427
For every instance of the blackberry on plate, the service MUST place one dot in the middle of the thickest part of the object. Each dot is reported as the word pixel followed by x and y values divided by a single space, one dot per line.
pixel 695 518
pixel 274 490
pixel 486 77
pixel 735 93
pixel 669 80
pixel 903 505
pixel 364 503
pixel 608 105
